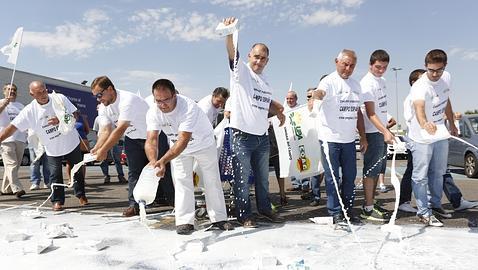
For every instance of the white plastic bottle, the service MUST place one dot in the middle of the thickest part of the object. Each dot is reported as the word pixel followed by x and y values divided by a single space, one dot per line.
pixel 145 190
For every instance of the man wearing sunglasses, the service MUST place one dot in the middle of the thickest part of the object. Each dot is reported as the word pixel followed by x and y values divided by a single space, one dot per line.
pixel 121 113
pixel 40 116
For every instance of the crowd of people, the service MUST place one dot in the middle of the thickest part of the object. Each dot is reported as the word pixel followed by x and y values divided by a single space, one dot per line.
pixel 172 132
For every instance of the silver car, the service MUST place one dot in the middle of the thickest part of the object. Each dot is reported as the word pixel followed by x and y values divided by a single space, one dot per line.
pixel 461 154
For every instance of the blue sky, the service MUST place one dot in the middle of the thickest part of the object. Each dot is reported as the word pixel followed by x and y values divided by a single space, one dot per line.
pixel 136 42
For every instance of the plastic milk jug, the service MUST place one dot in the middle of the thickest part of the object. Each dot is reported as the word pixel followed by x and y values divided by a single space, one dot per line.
pixel 145 190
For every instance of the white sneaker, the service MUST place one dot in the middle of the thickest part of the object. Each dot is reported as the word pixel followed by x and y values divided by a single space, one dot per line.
pixel 430 221
pixel 35 187
pixel 45 186
pixel 407 207
pixel 464 204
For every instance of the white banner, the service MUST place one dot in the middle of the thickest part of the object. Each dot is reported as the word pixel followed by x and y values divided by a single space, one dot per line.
pixel 298 143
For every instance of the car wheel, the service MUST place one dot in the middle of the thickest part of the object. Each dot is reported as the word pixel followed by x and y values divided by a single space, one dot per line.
pixel 25 160
pixel 470 166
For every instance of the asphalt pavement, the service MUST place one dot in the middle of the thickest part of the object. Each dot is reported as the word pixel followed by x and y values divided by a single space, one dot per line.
pixel 112 198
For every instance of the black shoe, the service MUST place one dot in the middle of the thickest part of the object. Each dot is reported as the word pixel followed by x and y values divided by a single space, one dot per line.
pixel 122 179
pixel 223 225
pixel 107 179
pixel 441 212
pixel 20 193
pixel 185 229
pixel 314 203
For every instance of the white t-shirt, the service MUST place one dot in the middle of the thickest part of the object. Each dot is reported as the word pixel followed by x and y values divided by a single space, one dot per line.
pixel 205 104
pixel 251 96
pixel 408 111
pixel 338 113
pixel 188 117
pixel 374 90
pixel 150 100
pixel 127 107
pixel 8 114
pixel 435 95
pixel 35 116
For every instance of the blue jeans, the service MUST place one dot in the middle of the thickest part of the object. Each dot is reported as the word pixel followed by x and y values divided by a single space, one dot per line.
pixel 452 192
pixel 342 156
pixel 406 183
pixel 303 184
pixel 374 160
pixel 134 149
pixel 250 152
pixel 115 152
pixel 56 175
pixel 429 166
pixel 35 169
pixel 315 186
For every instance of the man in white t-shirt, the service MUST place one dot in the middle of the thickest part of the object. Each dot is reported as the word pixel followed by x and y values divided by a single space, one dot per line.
pixel 191 139
pixel 121 113
pixel 212 104
pixel 251 102
pixel 339 116
pixel 374 98
pixel 430 100
pixel 12 147
pixel 40 116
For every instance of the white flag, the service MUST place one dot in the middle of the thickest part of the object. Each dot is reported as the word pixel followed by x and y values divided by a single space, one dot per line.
pixel 11 50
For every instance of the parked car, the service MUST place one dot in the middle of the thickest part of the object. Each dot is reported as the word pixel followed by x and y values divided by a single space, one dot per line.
pixel 461 154
pixel 25 158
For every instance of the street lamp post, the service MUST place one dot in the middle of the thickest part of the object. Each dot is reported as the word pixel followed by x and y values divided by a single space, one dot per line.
pixel 396 69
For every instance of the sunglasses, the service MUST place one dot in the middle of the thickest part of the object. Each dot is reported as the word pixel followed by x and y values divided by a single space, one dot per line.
pixel 100 94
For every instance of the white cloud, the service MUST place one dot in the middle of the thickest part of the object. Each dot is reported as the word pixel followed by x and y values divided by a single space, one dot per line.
pixel 244 4
pixel 79 39
pixel 352 3
pixel 327 17
pixel 465 54
pixel 142 80
pixel 167 23
pixel 95 15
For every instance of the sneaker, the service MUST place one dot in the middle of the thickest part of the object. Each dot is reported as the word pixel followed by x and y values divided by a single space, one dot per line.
pixel 223 225
pixel 57 206
pixel 355 220
pixel 122 179
pixel 374 215
pixel 407 207
pixel 107 179
pixel 272 217
pixel 339 219
pixel 34 187
pixel 384 189
pixel 464 204
pixel 359 186
pixel 314 203
pixel 441 212
pixel 185 229
pixel 293 189
pixel 430 221
pixel 46 186
pixel 382 211
pixel 249 223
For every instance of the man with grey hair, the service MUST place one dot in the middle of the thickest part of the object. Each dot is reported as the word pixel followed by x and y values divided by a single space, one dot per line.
pixel 40 116
pixel 338 118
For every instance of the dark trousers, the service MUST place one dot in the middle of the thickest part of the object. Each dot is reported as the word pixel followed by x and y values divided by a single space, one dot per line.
pixel 137 160
pixel 165 192
pixel 56 175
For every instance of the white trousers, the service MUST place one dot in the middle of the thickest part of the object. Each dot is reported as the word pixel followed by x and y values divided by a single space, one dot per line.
pixel 182 168
pixel 12 154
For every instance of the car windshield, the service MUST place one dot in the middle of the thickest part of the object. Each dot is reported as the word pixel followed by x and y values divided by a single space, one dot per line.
pixel 474 124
